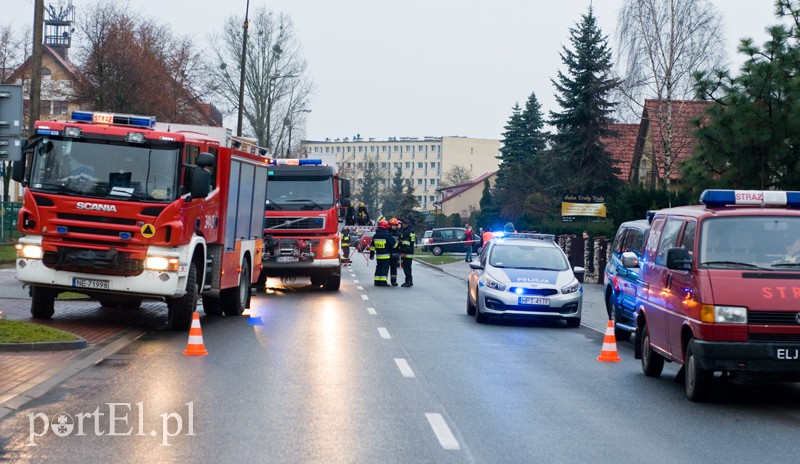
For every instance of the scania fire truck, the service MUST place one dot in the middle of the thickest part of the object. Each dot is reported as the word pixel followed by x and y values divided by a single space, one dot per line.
pixel 122 212
pixel 306 200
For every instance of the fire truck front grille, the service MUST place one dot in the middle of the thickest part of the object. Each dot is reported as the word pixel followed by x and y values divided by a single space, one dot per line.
pixel 96 219
pixel 109 262
pixel 294 223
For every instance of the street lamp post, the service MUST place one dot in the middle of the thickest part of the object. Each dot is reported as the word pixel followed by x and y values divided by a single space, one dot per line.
pixel 241 76
pixel 269 102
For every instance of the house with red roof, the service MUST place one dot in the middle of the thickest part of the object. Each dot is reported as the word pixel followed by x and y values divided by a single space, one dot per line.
pixel 642 152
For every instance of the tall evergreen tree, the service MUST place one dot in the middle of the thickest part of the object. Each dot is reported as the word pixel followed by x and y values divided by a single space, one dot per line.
pixel 750 137
pixel 489 214
pixel 391 199
pixel 369 188
pixel 517 175
pixel 407 210
pixel 578 157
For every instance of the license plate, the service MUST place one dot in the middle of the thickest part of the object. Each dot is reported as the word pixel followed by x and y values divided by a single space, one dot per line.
pixel 90 283
pixel 529 300
pixel 787 354
pixel 287 259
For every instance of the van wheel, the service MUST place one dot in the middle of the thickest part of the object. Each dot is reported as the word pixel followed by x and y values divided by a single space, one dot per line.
pixel 698 380
pixel 652 362
pixel 179 316
pixel 437 251
pixel 42 302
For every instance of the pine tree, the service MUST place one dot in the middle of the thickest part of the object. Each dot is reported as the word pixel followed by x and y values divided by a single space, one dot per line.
pixel 369 189
pixel 391 199
pixel 489 213
pixel 578 158
pixel 407 210
pixel 750 137
pixel 517 175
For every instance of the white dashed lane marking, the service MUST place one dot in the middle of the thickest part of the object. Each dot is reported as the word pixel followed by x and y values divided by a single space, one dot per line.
pixel 364 297
pixel 405 369
pixel 371 311
pixel 360 287
pixel 384 333
pixel 442 431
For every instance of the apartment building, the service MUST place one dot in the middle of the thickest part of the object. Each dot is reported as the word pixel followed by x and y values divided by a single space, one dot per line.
pixel 425 161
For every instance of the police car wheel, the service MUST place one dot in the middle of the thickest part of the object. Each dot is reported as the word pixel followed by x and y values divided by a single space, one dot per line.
pixel 470 307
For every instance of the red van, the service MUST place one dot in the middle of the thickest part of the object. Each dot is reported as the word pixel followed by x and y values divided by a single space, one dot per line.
pixel 721 289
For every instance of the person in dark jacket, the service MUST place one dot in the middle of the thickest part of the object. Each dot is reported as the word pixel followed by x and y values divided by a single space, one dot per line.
pixel 362 216
pixel 380 250
pixel 344 244
pixel 394 260
pixel 407 241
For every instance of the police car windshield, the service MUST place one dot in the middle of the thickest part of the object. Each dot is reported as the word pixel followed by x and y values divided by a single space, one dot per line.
pixel 770 242
pixel 528 257
pixel 91 169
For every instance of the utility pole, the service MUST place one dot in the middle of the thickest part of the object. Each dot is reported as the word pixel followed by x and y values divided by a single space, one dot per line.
pixel 241 76
pixel 36 65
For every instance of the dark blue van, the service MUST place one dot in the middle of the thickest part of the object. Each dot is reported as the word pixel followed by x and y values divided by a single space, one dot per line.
pixel 622 276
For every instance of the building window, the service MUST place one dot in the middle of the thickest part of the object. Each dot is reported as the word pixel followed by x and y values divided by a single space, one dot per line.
pixel 348 149
pixel 420 165
pixel 408 165
pixel 327 149
pixel 397 148
pixel 433 164
pixel 360 149
pixel 372 149
pixel 383 148
pixel 419 181
pixel 430 198
pixel 433 148
pixel 419 198
pixel 421 148
pixel 383 165
pixel 433 181
pixel 408 147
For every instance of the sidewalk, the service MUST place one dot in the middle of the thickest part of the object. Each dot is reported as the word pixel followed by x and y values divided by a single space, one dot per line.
pixel 25 373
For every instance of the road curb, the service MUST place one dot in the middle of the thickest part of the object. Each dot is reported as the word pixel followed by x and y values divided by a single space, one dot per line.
pixel 52 378
pixel 440 268
pixel 78 344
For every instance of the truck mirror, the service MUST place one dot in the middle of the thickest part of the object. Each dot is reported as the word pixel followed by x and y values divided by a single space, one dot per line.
pixel 679 259
pixel 205 160
pixel 18 170
pixel 629 259
pixel 201 182
pixel 345 188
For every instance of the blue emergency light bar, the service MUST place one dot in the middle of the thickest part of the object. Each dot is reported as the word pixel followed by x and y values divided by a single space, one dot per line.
pixel 145 122
pixel 750 198
pixel 295 162
pixel 548 237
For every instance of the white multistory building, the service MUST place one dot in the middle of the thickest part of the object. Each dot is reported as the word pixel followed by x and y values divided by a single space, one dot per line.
pixel 425 161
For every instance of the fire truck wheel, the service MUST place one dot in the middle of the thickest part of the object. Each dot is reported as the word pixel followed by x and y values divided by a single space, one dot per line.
pixel 181 309
pixel 261 284
pixel 42 302
pixel 211 306
pixel 332 281
pixel 235 299
pixel 317 279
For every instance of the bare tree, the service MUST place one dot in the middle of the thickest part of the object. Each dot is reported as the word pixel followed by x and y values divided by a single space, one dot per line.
pixel 277 89
pixel 662 43
pixel 457 175
pixel 131 64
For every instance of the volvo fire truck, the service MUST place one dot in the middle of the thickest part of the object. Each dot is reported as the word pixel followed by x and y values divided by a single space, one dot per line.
pixel 305 207
pixel 122 212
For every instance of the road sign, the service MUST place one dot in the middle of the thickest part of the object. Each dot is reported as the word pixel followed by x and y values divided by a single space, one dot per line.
pixel 11 110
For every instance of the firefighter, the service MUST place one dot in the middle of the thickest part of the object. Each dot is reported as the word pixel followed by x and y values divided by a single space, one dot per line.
pixel 380 249
pixel 407 241
pixel 394 257
pixel 344 241
pixel 362 216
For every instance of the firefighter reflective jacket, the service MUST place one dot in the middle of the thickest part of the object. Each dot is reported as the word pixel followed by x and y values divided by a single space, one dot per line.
pixel 407 240
pixel 382 244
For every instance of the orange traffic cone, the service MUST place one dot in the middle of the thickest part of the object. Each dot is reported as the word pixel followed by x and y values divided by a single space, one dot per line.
pixel 195 346
pixel 609 351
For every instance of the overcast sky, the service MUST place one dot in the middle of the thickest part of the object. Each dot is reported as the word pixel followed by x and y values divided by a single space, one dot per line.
pixel 415 68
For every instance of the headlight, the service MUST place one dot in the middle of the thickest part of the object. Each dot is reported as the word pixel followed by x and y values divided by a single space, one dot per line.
pixel 573 287
pixel 161 263
pixel 493 284
pixel 29 251
pixel 724 314
pixel 328 249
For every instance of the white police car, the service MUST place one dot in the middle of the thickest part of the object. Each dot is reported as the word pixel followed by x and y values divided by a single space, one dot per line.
pixel 524 275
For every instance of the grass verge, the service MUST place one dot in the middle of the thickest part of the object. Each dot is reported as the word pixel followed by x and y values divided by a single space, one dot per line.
pixel 439 260
pixel 26 332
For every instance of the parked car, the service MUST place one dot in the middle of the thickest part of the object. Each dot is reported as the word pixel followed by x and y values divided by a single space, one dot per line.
pixel 622 276
pixel 524 275
pixel 445 239
pixel 365 240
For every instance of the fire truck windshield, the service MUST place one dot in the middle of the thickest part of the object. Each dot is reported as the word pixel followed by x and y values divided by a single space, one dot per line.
pixel 102 169
pixel 300 192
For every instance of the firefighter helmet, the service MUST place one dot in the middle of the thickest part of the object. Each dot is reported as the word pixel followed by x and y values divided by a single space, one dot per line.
pixel 393 222
pixel 382 224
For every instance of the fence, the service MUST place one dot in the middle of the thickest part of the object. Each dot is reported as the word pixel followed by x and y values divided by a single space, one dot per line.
pixel 591 254
pixel 9 211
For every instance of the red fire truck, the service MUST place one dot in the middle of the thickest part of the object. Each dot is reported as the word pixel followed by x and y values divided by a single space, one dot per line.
pixel 122 212
pixel 305 202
